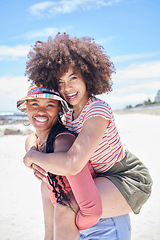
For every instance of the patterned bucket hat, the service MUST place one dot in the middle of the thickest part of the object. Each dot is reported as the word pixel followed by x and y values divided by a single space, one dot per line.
pixel 35 91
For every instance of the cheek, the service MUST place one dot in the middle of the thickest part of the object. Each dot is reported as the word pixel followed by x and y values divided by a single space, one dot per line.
pixel 62 93
pixel 60 90
pixel 53 118
pixel 54 113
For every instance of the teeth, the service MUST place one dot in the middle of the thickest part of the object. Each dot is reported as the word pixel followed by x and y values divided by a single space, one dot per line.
pixel 72 95
pixel 41 119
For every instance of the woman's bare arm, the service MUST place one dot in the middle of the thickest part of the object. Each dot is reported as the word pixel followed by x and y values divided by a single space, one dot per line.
pixel 72 161
pixel 31 142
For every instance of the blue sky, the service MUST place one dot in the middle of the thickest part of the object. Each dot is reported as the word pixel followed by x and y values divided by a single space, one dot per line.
pixel 129 31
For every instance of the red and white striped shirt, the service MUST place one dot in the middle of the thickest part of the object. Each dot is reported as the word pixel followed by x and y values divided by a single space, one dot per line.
pixel 110 149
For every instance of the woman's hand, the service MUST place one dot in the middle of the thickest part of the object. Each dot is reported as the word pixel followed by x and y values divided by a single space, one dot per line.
pixel 39 173
pixel 31 157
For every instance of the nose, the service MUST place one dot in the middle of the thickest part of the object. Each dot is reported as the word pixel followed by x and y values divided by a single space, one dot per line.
pixel 66 86
pixel 41 110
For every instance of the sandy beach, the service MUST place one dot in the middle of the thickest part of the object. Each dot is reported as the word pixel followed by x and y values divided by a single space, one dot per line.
pixel 21 215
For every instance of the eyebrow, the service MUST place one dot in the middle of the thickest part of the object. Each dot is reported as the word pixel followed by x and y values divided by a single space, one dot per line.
pixel 51 101
pixel 69 75
pixel 48 101
pixel 34 99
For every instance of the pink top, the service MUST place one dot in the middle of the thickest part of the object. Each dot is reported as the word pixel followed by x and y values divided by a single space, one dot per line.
pixel 111 149
pixel 67 187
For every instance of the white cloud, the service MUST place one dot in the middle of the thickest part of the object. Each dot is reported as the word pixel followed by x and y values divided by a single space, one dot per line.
pixel 102 41
pixel 13 87
pixel 131 57
pixel 11 90
pixel 119 101
pixel 36 9
pixel 67 6
pixel 17 51
pixel 142 86
pixel 147 70
pixel 45 32
pixel 129 98
pixel 134 85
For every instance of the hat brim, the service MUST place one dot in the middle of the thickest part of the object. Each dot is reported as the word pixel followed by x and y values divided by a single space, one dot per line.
pixel 21 104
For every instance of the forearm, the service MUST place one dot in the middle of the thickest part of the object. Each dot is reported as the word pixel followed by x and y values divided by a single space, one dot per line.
pixel 60 163
pixel 87 198
pixel 71 160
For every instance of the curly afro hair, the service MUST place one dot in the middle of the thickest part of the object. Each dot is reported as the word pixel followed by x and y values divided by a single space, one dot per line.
pixel 48 61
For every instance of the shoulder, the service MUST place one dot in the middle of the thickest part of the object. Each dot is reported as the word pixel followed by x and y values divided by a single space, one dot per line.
pixel 30 137
pixel 96 102
pixel 98 107
pixel 30 141
pixel 63 141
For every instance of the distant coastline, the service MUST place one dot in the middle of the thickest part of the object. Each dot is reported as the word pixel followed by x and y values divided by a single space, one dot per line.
pixel 16 118
pixel 11 118
pixel 11 122
pixel 150 109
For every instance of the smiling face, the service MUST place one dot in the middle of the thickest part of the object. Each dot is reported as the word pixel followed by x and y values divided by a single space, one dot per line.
pixel 43 114
pixel 73 88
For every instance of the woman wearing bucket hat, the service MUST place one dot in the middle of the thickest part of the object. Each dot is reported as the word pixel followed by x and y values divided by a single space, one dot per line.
pixel 40 92
pixel 43 107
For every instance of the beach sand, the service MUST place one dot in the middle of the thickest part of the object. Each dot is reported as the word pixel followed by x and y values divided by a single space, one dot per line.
pixel 21 215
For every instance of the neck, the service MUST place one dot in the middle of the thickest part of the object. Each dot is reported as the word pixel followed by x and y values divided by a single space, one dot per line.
pixel 41 143
pixel 78 109
pixel 41 135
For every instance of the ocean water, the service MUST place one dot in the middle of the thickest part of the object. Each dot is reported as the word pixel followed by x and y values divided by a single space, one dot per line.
pixel 9 117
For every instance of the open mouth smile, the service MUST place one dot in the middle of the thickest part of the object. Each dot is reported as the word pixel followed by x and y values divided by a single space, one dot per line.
pixel 41 119
pixel 72 96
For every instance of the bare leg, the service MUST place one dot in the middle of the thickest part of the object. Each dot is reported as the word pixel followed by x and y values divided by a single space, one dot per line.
pixel 48 211
pixel 64 222
pixel 113 202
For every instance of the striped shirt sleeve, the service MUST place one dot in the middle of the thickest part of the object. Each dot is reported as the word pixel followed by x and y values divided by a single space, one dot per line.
pixel 98 109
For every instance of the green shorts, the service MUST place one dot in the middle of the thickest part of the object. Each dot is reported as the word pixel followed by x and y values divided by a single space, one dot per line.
pixel 132 179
